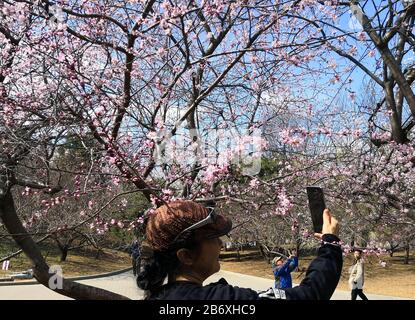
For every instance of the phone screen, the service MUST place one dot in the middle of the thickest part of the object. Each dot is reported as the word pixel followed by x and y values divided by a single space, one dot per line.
pixel 317 205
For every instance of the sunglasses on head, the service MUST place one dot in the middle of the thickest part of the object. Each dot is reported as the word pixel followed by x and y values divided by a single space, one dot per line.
pixel 211 218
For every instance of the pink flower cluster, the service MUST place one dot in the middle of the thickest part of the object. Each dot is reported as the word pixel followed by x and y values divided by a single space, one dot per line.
pixel 213 173
pixel 53 202
pixel 284 203
pixel 100 225
pixel 381 136
pixel 288 137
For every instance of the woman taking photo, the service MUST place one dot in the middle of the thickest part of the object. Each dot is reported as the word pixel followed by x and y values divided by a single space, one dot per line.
pixel 356 279
pixel 183 245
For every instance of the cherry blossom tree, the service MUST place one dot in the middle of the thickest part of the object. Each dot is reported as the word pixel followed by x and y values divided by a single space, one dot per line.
pixel 129 75
pixel 187 100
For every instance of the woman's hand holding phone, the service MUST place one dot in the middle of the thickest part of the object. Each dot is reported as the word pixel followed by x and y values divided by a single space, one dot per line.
pixel 330 225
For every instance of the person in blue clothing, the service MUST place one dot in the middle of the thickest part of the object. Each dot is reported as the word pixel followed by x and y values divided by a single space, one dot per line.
pixel 282 271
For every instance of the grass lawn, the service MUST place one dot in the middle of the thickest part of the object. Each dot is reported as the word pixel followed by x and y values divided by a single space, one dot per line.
pixel 78 263
pixel 396 279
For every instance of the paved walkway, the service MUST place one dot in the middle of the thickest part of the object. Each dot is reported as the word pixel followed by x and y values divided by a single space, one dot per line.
pixel 125 284
pixel 257 283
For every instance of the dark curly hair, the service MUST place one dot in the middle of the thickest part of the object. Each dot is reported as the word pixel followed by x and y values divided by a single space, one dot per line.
pixel 155 266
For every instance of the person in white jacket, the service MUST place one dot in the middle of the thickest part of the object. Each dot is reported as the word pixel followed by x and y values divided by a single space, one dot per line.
pixel 357 276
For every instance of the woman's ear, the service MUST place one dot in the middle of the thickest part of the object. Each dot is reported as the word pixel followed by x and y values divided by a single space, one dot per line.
pixel 185 257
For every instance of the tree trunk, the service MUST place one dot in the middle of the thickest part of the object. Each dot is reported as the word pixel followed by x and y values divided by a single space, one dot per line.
pixel 98 253
pixel 297 249
pixel 20 250
pixel 407 254
pixel 64 253
pixel 40 267
pixel 386 55
pixel 263 254
pixel 398 134
pixel 63 248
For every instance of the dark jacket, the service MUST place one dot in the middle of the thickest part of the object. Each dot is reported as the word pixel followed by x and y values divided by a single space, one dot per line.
pixel 320 281
pixel 134 250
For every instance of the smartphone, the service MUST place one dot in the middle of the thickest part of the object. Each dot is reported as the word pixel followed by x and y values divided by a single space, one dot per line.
pixel 317 205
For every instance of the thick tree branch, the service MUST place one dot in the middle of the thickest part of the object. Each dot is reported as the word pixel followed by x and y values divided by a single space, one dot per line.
pixel 41 269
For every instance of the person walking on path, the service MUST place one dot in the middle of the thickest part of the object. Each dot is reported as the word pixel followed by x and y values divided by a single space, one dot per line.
pixel 135 256
pixel 357 276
